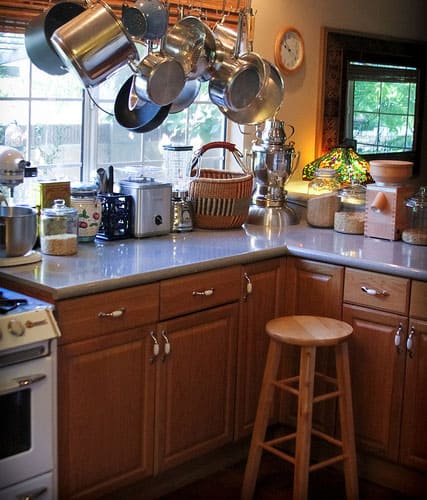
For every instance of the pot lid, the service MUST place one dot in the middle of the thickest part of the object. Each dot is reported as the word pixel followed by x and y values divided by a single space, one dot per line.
pixel 419 200
pixel 59 209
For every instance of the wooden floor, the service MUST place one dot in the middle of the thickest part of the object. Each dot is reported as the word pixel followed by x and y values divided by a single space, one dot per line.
pixel 274 483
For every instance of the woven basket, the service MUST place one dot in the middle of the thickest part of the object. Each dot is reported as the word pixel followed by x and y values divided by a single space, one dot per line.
pixel 220 198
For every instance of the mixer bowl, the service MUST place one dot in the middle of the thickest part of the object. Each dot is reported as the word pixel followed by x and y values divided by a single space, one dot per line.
pixel 390 171
pixel 18 231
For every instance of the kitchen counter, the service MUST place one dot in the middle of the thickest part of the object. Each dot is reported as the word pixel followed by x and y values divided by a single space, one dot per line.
pixel 110 265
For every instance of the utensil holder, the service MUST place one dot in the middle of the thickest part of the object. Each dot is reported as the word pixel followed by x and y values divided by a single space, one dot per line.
pixel 116 217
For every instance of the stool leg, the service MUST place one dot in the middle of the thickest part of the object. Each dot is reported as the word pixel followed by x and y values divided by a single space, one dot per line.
pixel 304 422
pixel 347 423
pixel 261 420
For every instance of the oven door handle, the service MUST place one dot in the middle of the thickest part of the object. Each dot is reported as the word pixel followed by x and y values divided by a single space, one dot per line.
pixel 33 494
pixel 19 383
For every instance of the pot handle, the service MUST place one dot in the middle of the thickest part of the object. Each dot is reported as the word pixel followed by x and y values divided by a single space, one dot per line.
pixel 195 163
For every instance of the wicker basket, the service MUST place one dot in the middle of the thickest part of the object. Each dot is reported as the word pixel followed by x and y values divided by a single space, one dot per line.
pixel 220 198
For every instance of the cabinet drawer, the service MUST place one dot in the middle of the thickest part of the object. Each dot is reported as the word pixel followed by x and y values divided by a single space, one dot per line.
pixel 87 317
pixel 418 307
pixel 380 291
pixel 199 291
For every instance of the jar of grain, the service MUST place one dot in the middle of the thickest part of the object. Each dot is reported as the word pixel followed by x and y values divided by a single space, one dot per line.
pixel 58 229
pixel 322 200
pixel 416 232
pixel 350 218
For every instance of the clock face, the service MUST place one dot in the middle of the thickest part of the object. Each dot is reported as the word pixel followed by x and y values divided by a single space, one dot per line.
pixel 289 50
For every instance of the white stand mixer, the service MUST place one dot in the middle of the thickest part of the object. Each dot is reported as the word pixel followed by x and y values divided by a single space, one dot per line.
pixel 12 169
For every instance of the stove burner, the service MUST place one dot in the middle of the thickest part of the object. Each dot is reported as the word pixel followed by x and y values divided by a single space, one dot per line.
pixel 7 305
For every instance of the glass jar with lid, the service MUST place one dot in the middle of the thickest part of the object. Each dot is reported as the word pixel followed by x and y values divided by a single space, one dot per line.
pixel 85 200
pixel 58 229
pixel 416 232
pixel 322 200
pixel 350 218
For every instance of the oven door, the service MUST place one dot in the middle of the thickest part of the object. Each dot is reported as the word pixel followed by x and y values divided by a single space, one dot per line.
pixel 28 419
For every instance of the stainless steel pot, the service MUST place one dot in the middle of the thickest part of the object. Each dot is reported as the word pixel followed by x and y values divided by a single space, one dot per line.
pixel 191 42
pixel 159 79
pixel 94 44
pixel 156 16
pixel 39 31
pixel 18 231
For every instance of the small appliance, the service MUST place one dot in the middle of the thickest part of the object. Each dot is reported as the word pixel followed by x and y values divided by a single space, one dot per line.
pixel 151 206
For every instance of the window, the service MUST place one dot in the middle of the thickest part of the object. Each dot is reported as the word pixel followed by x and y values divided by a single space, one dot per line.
pixel 380 109
pixel 68 133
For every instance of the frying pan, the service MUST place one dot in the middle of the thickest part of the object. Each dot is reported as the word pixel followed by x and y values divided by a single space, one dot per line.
pixel 146 115
pixel 39 30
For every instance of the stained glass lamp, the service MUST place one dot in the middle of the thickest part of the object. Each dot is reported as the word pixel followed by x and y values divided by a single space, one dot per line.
pixel 350 167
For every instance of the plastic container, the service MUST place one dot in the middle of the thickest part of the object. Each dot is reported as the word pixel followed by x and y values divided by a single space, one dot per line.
pixel 416 233
pixel 89 208
pixel 58 229
pixel 323 201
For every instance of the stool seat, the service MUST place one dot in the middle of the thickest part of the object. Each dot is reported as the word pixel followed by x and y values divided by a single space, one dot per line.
pixel 308 330
pixel 308 333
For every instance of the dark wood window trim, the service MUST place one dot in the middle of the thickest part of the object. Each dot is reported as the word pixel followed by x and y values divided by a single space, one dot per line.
pixel 339 46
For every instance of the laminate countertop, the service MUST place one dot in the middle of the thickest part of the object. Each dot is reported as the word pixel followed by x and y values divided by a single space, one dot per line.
pixel 109 265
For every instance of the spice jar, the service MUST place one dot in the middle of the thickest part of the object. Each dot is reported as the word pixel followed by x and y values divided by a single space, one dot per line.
pixel 89 208
pixel 58 229
pixel 323 202
pixel 416 233
pixel 350 218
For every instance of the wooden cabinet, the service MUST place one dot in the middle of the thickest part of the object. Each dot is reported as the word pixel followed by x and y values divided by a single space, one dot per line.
pixel 388 356
pixel 262 299
pixel 314 288
pixel 106 413
pixel 195 385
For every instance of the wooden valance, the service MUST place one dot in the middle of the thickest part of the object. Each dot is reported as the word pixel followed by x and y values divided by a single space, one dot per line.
pixel 15 14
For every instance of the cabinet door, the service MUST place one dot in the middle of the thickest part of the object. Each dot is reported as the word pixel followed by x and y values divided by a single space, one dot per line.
pixel 196 388
pixel 106 416
pixel 377 374
pixel 263 302
pixel 414 432
pixel 312 288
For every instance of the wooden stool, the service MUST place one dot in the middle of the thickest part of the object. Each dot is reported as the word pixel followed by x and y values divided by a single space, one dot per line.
pixel 307 332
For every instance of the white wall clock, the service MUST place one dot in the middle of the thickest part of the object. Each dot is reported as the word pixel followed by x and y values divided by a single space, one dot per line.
pixel 289 50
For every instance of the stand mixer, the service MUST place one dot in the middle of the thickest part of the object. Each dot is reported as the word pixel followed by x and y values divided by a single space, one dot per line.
pixel 12 169
pixel 272 165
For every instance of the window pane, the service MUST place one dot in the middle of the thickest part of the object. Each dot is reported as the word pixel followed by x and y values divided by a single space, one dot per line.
pixel 54 86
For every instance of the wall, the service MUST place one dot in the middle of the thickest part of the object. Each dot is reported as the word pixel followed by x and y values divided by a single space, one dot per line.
pixel 398 18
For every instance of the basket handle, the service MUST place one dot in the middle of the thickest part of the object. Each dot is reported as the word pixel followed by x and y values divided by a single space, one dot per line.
pixel 223 145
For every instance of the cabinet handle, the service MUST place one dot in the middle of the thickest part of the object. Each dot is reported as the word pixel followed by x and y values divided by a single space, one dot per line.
pixel 205 293
pixel 410 342
pixel 249 287
pixel 156 347
pixel 118 313
pixel 397 337
pixel 374 291
pixel 167 348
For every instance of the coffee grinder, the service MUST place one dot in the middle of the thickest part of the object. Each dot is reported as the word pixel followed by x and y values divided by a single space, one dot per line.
pixel 272 165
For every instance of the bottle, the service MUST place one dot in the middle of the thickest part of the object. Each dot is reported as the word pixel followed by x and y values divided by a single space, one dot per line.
pixel 89 208
pixel 58 229
pixel 322 200
pixel 416 232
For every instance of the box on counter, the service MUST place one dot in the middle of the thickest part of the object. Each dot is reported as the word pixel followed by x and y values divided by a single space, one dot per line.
pixel 54 190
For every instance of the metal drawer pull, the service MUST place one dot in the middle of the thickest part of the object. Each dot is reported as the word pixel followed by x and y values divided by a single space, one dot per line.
pixel 249 287
pixel 410 342
pixel 156 347
pixel 118 313
pixel 374 291
pixel 167 349
pixel 205 293
pixel 33 494
pixel 397 337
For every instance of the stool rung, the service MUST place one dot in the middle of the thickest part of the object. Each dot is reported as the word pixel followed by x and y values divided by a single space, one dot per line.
pixel 282 384
pixel 326 396
pixel 327 378
pixel 279 453
pixel 326 437
pixel 326 463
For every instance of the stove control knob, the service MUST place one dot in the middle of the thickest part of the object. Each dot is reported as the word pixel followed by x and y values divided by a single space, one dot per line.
pixel 16 327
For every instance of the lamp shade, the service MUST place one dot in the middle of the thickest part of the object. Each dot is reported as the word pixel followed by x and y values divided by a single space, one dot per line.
pixel 350 166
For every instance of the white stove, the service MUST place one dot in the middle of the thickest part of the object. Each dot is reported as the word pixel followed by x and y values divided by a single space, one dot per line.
pixel 28 385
